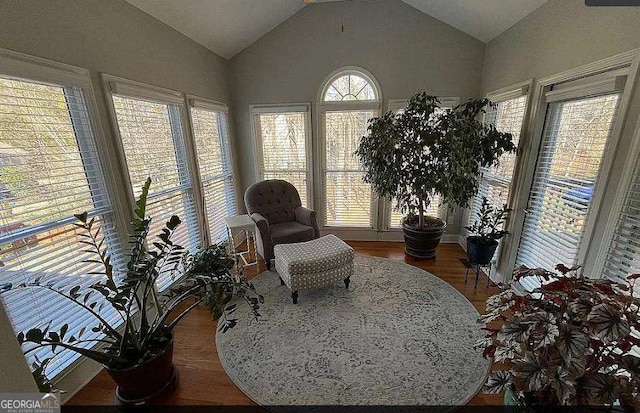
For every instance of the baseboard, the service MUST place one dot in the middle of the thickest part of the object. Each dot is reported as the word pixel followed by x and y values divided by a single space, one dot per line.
pixel 365 234
pixel 462 241
pixel 449 239
pixel 495 276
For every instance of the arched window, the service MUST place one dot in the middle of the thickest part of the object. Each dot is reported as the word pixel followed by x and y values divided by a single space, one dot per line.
pixel 348 99
pixel 350 85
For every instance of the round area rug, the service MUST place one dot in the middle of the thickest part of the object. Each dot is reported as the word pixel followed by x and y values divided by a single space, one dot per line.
pixel 397 336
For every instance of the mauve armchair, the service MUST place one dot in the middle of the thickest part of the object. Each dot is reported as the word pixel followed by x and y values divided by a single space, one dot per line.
pixel 275 207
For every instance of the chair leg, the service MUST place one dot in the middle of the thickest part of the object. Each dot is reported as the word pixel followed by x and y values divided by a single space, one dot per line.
pixel 346 282
pixel 281 281
pixel 294 297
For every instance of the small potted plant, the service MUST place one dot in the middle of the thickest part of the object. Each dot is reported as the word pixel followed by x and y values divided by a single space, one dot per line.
pixel 136 346
pixel 485 233
pixel 572 341
pixel 425 150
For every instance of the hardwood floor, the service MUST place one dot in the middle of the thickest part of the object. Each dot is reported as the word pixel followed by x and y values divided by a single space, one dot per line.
pixel 202 379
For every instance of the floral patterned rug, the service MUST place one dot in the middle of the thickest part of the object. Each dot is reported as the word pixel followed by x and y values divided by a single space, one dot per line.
pixel 397 336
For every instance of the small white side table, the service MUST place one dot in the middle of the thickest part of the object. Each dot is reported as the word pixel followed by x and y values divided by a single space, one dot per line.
pixel 237 224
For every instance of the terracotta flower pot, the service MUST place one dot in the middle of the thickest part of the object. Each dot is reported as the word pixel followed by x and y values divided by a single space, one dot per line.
pixel 143 383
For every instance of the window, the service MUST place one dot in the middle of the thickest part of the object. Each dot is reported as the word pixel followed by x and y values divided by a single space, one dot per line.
pixel 350 86
pixel 211 135
pixel 495 183
pixel 623 257
pixel 349 99
pixel 49 171
pixel 435 208
pixel 151 132
pixel 283 146
pixel 574 142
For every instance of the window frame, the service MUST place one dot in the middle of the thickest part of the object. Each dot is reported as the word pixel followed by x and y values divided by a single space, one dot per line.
pixel 514 91
pixel 196 102
pixel 27 68
pixel 114 85
pixel 345 71
pixel 126 88
pixel 321 154
pixel 304 108
pixel 583 77
pixel 617 204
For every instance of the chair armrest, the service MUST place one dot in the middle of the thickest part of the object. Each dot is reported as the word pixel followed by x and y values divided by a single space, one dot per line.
pixel 264 244
pixel 305 216
pixel 261 223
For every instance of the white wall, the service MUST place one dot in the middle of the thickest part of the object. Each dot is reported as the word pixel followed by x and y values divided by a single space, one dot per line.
pixel 561 35
pixel 403 48
pixel 15 377
pixel 113 37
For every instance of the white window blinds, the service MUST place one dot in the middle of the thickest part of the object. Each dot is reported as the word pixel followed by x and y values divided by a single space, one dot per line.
pixel 495 183
pixel 623 258
pixel 348 199
pixel 281 145
pixel 154 146
pixel 573 144
pixel 211 135
pixel 434 209
pixel 49 171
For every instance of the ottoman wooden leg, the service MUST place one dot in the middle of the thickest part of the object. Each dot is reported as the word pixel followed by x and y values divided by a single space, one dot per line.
pixel 346 282
pixel 294 296
pixel 281 281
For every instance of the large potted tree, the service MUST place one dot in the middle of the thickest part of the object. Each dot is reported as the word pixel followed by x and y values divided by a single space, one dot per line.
pixel 425 150
pixel 133 332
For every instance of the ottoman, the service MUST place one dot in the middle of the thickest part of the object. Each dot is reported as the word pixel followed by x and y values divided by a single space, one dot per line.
pixel 313 264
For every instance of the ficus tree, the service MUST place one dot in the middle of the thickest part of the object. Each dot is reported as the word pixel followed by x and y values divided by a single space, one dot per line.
pixel 425 149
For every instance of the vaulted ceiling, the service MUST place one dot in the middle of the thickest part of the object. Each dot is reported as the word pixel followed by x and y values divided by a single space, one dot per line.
pixel 226 27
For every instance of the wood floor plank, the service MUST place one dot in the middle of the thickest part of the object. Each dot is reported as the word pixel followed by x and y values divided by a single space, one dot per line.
pixel 202 380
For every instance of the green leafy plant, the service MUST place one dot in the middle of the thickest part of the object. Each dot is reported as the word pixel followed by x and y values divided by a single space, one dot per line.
pixel 143 326
pixel 488 227
pixel 425 150
pixel 569 341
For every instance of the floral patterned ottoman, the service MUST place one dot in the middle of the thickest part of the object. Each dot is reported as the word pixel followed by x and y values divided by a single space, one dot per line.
pixel 313 264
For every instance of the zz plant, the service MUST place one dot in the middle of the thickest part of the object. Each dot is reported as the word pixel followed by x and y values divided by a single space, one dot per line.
pixel 426 149
pixel 572 341
pixel 143 326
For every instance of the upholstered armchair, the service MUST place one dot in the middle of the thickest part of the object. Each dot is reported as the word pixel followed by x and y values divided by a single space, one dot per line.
pixel 276 208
